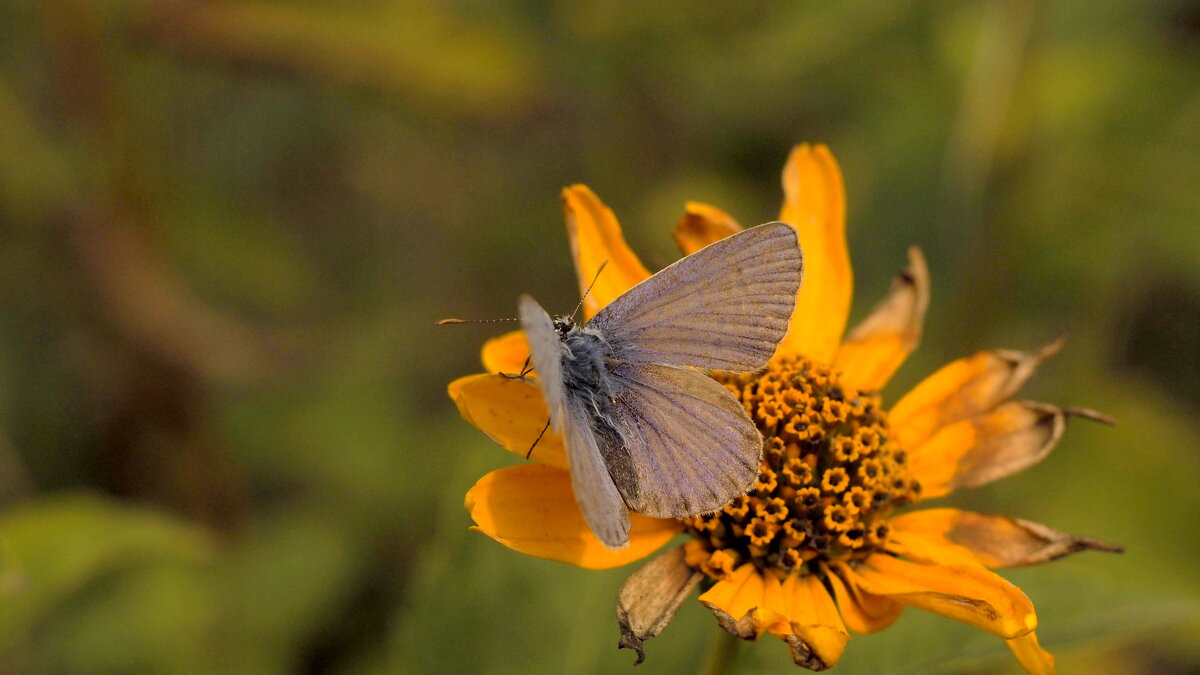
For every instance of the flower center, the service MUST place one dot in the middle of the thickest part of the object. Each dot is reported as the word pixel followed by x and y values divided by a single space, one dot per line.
pixel 830 476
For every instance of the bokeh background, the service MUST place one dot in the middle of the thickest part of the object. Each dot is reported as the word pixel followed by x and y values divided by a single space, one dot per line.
pixel 226 230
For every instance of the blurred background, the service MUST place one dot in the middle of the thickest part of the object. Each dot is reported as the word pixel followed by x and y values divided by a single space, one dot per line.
pixel 226 230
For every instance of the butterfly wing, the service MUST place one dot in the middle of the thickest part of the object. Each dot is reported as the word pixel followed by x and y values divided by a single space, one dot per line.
pixel 597 495
pixel 546 350
pixel 595 492
pixel 690 445
pixel 725 307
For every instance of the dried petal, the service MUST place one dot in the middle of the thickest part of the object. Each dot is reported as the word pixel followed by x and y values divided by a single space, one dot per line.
pixel 746 603
pixel 650 597
pixel 970 594
pixel 977 451
pixel 963 389
pixel 873 351
pixel 817 636
pixel 997 541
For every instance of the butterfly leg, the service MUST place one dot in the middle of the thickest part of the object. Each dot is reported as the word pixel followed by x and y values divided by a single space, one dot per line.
pixel 525 370
pixel 538 439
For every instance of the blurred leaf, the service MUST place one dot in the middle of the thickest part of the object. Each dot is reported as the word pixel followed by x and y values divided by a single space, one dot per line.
pixel 43 178
pixel 55 546
pixel 166 612
pixel 417 49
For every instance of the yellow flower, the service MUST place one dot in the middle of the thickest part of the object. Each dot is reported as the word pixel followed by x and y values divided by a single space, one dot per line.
pixel 815 551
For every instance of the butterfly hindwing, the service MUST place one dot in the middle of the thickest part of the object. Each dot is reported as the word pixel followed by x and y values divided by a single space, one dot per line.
pixel 690 445
pixel 724 307
pixel 603 508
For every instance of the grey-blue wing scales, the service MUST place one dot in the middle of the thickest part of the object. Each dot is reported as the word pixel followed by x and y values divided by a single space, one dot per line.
pixel 546 350
pixel 726 306
pixel 602 506
pixel 691 446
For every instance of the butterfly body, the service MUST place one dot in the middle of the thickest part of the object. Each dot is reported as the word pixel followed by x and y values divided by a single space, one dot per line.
pixel 586 359
pixel 644 430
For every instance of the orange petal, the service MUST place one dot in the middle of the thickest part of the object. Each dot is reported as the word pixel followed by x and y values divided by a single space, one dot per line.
pixel 966 593
pixel 922 549
pixel 863 612
pixel 702 225
pixel 506 353
pixel 977 451
pixel 531 509
pixel 962 389
pixel 511 412
pixel 815 632
pixel 877 346
pixel 595 239
pixel 747 603
pixel 815 204
pixel 1031 656
pixel 996 541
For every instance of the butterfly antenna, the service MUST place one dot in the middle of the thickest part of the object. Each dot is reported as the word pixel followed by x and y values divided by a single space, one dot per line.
pixel 451 322
pixel 589 289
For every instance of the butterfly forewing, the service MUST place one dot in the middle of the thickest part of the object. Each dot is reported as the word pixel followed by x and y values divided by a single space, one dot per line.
pixel 546 351
pixel 725 307
pixel 691 447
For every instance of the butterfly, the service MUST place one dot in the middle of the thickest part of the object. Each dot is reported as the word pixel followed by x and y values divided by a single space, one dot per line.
pixel 645 430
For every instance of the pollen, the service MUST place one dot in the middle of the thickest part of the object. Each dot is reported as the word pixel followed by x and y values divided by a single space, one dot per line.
pixel 830 476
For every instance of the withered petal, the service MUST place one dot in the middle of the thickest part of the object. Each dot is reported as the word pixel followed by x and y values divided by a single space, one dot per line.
pixel 803 655
pixel 1010 438
pixel 651 596
pixel 875 348
pixel 743 627
pixel 997 541
pixel 815 633
pixel 963 389
pixel 967 593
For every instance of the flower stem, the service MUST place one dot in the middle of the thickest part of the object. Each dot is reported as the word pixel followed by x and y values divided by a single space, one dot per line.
pixel 719 657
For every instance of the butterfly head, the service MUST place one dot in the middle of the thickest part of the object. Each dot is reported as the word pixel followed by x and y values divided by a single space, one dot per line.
pixel 564 325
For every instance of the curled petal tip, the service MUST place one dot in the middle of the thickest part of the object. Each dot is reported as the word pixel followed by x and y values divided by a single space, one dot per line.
pixel 1088 413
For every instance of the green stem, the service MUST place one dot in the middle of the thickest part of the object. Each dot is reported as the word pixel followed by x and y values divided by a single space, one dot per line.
pixel 719 657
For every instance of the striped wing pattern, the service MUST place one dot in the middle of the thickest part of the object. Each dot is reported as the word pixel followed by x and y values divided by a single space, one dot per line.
pixel 691 446
pixel 596 493
pixel 725 307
